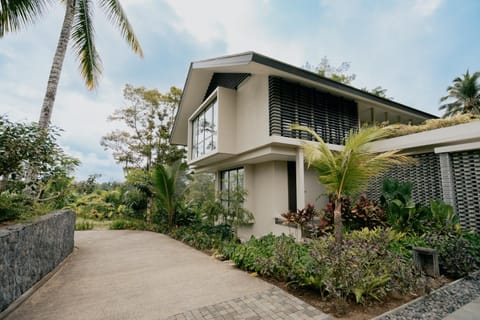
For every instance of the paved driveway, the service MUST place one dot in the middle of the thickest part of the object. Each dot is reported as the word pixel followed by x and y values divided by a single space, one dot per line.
pixel 145 275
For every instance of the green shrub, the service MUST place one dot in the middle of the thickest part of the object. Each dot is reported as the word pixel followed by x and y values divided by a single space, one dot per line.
pixel 458 255
pixel 357 214
pixel 200 237
pixel 83 225
pixel 12 205
pixel 361 267
pixel 249 255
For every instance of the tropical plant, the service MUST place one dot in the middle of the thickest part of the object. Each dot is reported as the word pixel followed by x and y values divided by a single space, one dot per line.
pixel 168 187
pixel 465 92
pixel 77 25
pixel 347 172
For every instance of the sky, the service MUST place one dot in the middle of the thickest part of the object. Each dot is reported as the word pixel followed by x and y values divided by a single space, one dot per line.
pixel 413 48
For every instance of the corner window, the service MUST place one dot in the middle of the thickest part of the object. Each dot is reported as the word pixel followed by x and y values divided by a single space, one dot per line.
pixel 204 130
pixel 231 184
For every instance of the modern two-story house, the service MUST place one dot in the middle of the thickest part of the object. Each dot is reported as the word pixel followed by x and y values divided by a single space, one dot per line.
pixel 234 118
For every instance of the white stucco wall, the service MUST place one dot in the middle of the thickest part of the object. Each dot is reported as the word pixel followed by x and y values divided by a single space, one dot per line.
pixel 267 187
pixel 252 123
pixel 315 193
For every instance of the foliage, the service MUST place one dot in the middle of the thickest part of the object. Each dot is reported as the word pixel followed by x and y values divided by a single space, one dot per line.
pixel 364 213
pixel 339 74
pixel 235 214
pixel 457 254
pixel 396 130
pixel 149 119
pixel 201 189
pixel 83 225
pixel 402 213
pixel 405 215
pixel 203 237
pixel 348 171
pixel 465 92
pixel 135 224
pixel 378 91
pixel 32 157
pixel 12 205
pixel 301 217
pixel 360 268
pixel 405 244
pixel 442 218
pixel 77 27
pixel 169 183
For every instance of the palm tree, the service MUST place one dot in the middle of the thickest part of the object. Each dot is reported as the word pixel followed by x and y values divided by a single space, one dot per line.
pixel 466 92
pixel 348 171
pixel 169 187
pixel 77 24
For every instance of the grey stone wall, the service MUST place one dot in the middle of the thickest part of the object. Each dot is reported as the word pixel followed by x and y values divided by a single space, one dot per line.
pixel 30 251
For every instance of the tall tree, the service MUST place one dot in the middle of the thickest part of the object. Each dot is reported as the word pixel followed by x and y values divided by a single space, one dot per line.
pixel 77 25
pixel 339 73
pixel 149 119
pixel 348 171
pixel 465 93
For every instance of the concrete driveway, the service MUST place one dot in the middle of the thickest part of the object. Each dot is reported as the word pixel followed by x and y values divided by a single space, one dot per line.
pixel 145 275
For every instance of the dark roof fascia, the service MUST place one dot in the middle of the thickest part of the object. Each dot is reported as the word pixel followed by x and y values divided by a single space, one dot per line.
pixel 261 59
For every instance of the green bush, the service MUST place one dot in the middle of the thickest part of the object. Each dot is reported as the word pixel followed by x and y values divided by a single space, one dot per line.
pixel 361 267
pixel 357 214
pixel 457 254
pixel 200 237
pixel 12 205
pixel 83 225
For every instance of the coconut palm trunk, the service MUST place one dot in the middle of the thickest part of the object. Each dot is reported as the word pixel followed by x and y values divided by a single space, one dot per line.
pixel 337 220
pixel 56 70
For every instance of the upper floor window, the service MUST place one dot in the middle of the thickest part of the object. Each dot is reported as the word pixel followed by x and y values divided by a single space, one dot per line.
pixel 204 130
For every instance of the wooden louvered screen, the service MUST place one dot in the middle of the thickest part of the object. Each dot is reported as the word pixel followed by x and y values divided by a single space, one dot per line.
pixel 425 177
pixel 330 116
pixel 466 173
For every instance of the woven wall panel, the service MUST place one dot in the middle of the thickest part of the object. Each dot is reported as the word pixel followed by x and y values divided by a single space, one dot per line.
pixel 466 173
pixel 330 116
pixel 425 177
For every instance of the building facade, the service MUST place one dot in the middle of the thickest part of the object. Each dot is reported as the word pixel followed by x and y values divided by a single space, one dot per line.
pixel 235 116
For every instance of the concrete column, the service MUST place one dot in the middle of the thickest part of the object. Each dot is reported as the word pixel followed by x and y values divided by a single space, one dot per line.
pixel 448 183
pixel 300 177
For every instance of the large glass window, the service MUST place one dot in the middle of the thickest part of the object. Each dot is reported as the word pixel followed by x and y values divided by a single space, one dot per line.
pixel 204 131
pixel 231 186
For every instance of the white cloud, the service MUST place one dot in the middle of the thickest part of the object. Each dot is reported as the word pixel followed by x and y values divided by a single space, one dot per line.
pixel 427 7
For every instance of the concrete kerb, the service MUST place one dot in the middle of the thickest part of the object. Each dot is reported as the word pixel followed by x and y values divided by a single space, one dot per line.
pixel 403 306
pixel 18 302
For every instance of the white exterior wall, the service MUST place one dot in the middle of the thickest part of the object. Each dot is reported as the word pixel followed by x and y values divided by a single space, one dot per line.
pixel 267 197
pixel 226 123
pixel 315 193
pixel 252 123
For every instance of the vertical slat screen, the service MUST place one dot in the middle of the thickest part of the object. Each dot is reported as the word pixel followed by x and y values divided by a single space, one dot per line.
pixel 425 176
pixel 466 173
pixel 330 116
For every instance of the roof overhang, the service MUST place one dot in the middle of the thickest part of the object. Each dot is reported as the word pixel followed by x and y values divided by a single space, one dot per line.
pixel 201 72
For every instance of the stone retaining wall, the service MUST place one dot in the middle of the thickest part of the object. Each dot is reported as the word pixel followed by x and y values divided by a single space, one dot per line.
pixel 30 251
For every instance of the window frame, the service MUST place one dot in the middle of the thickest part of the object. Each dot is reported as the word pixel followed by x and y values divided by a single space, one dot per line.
pixel 238 185
pixel 203 142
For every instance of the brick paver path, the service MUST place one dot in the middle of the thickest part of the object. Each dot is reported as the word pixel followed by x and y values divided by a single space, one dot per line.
pixel 270 304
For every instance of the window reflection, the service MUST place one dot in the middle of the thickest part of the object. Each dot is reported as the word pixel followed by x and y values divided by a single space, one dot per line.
pixel 204 131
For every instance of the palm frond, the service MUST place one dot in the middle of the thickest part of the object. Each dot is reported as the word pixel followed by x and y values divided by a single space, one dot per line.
pixel 17 14
pixel 117 16
pixel 83 36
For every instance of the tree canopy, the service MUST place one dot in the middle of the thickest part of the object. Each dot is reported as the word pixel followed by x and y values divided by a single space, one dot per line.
pixel 463 95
